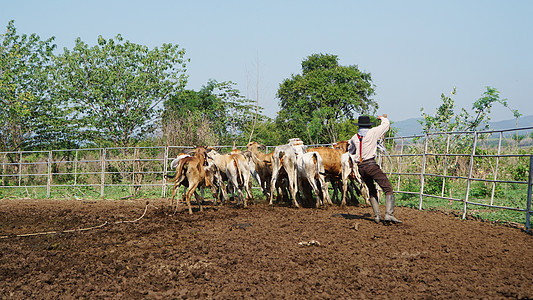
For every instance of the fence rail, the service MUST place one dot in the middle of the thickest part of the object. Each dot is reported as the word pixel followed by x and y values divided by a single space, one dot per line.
pixel 436 160
pixel 427 166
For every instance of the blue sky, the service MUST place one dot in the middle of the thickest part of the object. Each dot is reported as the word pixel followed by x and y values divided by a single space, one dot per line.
pixel 415 50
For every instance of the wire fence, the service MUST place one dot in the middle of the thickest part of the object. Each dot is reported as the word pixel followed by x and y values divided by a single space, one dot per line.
pixel 483 169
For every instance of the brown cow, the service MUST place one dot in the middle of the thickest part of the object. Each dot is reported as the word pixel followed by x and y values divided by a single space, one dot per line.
pixel 191 172
pixel 333 165
pixel 263 165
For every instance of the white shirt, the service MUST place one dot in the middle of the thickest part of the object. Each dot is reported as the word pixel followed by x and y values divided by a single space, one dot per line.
pixel 369 142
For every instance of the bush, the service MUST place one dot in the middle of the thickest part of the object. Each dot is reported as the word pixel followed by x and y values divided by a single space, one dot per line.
pixel 479 190
pixel 433 185
pixel 520 172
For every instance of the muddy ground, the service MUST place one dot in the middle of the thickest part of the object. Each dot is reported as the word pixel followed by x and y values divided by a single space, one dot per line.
pixel 254 253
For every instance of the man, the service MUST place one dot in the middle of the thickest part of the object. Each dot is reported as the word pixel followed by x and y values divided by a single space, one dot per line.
pixel 364 145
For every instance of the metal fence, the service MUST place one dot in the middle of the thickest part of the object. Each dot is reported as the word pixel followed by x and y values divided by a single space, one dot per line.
pixel 99 168
pixel 467 167
pixel 491 169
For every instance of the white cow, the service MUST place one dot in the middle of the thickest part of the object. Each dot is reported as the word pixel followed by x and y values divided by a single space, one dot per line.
pixel 311 169
pixel 284 158
pixel 234 169
pixel 350 172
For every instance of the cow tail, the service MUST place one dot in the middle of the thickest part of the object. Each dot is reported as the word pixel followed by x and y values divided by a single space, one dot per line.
pixel 240 180
pixel 350 160
pixel 182 164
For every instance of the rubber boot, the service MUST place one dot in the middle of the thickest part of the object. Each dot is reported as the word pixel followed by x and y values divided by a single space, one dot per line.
pixel 375 207
pixel 389 210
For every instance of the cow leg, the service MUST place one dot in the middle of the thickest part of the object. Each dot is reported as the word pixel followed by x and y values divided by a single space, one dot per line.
pixel 335 184
pixel 224 190
pixel 173 195
pixel 248 188
pixel 275 172
pixel 293 184
pixel 314 186
pixel 365 193
pixel 345 177
pixel 250 196
pixel 190 191
pixel 199 200
pixel 202 194
pixel 344 189
pixel 324 190
pixel 266 190
pixel 354 193
pixel 183 196
pixel 304 191
pixel 282 189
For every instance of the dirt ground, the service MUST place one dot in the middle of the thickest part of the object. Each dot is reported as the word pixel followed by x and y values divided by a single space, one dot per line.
pixel 254 253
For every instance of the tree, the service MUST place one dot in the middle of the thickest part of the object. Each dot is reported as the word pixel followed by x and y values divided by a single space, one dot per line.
pixel 116 87
pixel 241 112
pixel 218 113
pixel 30 116
pixel 446 120
pixel 326 94
pixel 192 117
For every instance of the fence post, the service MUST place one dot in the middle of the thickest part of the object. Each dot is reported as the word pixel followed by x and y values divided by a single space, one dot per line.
pixel 445 164
pixel 20 168
pixel 102 175
pixel 423 171
pixel 529 183
pixel 165 169
pixel 400 166
pixel 133 178
pixel 471 167
pixel 76 169
pixel 496 170
pixel 49 180
pixel 4 170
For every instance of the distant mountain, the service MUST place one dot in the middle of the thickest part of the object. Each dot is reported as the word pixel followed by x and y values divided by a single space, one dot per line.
pixel 526 121
pixel 412 126
pixel 407 127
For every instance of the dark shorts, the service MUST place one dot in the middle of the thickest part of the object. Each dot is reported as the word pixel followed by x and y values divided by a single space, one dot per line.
pixel 370 172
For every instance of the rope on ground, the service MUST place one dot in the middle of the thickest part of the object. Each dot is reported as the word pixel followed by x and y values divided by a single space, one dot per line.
pixel 81 229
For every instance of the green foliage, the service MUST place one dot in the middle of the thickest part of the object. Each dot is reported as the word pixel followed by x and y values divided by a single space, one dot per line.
pixel 479 189
pixel 217 114
pixel 446 120
pixel 240 110
pixel 433 185
pixel 30 116
pixel 267 133
pixel 326 94
pixel 520 171
pixel 116 86
pixel 482 109
pixel 203 104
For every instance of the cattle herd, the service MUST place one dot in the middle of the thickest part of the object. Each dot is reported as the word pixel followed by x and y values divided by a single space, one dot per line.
pixel 292 171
